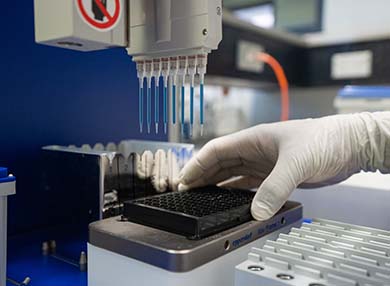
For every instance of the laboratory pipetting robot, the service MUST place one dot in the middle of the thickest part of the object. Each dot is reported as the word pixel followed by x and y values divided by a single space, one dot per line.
pixel 169 40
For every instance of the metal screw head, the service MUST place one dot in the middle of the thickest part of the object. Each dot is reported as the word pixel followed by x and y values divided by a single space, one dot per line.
pixel 53 245
pixel 285 276
pixel 219 11
pixel 205 32
pixel 122 218
pixel 227 245
pixel 255 268
pixel 26 281
pixel 45 248
pixel 83 261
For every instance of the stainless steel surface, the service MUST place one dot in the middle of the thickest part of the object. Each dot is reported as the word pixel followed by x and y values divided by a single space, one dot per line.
pixel 109 170
pixel 177 253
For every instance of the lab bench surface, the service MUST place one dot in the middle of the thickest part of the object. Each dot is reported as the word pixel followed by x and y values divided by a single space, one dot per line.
pixel 25 258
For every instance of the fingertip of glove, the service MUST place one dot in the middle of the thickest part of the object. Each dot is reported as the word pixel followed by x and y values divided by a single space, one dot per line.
pixel 183 187
pixel 260 211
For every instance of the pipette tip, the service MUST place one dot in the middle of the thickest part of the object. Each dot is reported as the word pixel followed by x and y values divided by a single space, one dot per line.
pixel 201 130
pixel 140 128
pixel 156 126
pixel 165 128
pixel 191 129
pixel 148 128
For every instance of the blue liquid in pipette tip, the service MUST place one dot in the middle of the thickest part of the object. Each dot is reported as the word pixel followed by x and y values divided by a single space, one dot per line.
pixel 191 110
pixel 165 109
pixel 174 104
pixel 149 109
pixel 141 108
pixel 182 109
pixel 201 108
pixel 156 106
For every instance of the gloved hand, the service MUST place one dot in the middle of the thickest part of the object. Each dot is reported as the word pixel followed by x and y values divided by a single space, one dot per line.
pixel 276 158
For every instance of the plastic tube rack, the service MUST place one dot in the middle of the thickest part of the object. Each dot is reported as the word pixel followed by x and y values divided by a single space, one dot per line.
pixel 7 187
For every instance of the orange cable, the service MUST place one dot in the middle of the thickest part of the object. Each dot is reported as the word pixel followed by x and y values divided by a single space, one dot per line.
pixel 282 81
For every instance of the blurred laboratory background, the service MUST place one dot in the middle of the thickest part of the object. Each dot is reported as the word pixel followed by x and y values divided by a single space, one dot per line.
pixel 322 46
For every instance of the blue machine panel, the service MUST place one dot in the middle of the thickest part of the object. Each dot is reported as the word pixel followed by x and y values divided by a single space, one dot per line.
pixel 55 96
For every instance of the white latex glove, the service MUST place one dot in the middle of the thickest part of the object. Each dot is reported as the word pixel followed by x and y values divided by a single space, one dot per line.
pixel 276 158
pixel 145 164
pixel 165 171
pixel 162 168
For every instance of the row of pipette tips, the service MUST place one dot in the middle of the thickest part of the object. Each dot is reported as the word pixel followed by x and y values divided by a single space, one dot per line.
pixel 172 69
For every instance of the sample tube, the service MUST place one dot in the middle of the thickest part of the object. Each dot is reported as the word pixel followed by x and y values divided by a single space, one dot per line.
pixel 149 104
pixel 173 69
pixel 192 63
pixel 165 75
pixel 148 72
pixel 173 101
pixel 182 77
pixel 201 105
pixel 183 99
pixel 141 104
pixel 202 67
pixel 141 76
pixel 156 74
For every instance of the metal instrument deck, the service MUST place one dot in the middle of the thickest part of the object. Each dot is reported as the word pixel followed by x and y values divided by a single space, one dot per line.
pixel 175 252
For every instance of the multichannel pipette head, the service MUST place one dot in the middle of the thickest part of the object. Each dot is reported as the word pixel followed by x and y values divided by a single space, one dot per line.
pixel 155 31
pixel 176 70
pixel 157 66
pixel 181 44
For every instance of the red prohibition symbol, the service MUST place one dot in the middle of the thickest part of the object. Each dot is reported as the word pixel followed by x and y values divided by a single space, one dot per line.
pixel 103 19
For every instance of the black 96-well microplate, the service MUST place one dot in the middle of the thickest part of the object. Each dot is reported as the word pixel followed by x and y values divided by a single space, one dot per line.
pixel 195 213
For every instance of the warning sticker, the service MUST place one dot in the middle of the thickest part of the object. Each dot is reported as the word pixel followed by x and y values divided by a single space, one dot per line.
pixel 102 15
